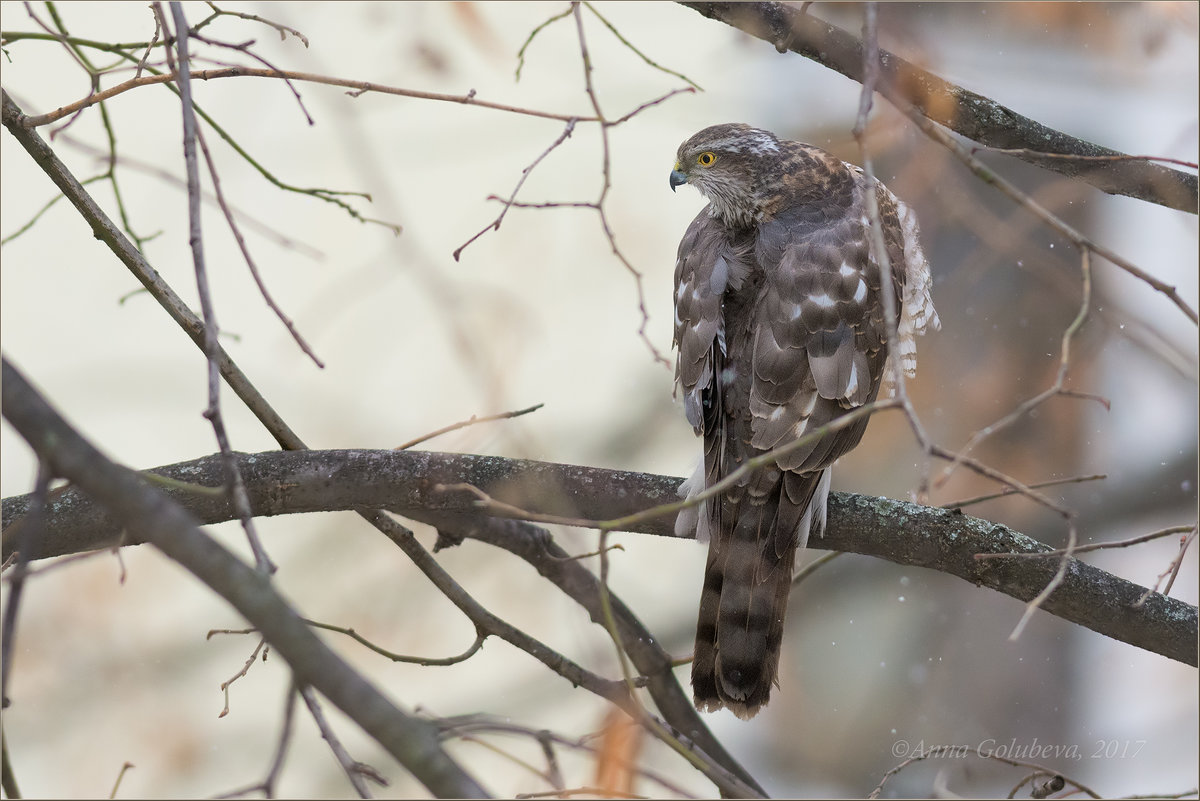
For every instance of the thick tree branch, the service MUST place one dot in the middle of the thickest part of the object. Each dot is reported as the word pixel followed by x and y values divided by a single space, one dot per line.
pixel 974 116
pixel 151 517
pixel 407 483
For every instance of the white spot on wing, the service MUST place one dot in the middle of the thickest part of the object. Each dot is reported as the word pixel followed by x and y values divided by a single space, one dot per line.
pixel 846 270
pixel 852 381
pixel 823 300
pixel 860 292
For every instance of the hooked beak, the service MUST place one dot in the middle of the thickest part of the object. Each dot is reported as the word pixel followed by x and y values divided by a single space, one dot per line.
pixel 677 178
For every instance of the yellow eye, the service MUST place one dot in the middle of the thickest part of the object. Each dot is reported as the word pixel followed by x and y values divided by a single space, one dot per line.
pixel 706 159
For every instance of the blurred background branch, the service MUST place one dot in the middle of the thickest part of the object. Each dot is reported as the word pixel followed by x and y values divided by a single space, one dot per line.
pixel 972 115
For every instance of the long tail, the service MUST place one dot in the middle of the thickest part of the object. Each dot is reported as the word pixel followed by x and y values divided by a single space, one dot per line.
pixel 747 581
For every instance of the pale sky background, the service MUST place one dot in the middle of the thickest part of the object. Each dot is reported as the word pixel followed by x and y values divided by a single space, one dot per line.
pixel 541 312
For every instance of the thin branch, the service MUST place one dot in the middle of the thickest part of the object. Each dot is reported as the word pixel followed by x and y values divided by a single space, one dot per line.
pixel 33 529
pixel 649 61
pixel 683 722
pixel 283 30
pixel 1055 582
pixel 424 661
pixel 360 87
pixel 128 766
pixel 268 784
pixel 245 250
pixel 1007 491
pixel 457 726
pixel 8 779
pixel 1172 570
pixel 485 621
pixel 244 48
pixel 887 285
pixel 349 765
pixel 529 39
pixel 813 566
pixel 495 224
pixel 1095 546
pixel 225 685
pixel 606 185
pixel 1060 378
pixel 962 750
pixel 994 474
pixel 649 104
pixel 237 490
pixel 1029 154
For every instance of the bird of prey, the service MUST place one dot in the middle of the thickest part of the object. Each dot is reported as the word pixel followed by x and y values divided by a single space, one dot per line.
pixel 780 327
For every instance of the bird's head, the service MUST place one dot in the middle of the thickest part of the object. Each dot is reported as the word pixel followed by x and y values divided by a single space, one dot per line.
pixel 730 165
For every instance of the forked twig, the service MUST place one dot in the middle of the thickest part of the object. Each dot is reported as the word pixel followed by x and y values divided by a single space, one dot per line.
pixel 495 225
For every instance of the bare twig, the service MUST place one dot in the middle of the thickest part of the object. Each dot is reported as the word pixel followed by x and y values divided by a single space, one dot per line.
pixel 353 769
pixel 529 39
pixel 1055 581
pixel 1029 154
pixel 637 52
pixel 982 754
pixel 1057 388
pixel 237 489
pixel 485 621
pixel 1172 569
pixel 424 661
pixel 1007 491
pixel 1095 546
pixel 128 766
pixel 242 672
pixel 34 522
pixel 244 48
pixel 283 30
pixel 887 284
pixel 361 87
pixel 994 474
pixel 607 184
pixel 495 225
pixel 268 785
pixel 813 566
pixel 459 726
pixel 241 243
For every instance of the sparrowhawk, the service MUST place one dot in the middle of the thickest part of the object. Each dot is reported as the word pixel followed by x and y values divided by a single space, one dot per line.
pixel 779 322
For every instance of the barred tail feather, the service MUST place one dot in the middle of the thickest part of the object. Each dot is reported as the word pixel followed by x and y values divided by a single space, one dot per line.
pixel 747 582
